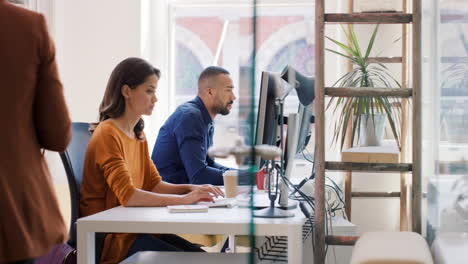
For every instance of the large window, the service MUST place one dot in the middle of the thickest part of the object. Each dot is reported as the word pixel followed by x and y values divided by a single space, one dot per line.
pixel 205 33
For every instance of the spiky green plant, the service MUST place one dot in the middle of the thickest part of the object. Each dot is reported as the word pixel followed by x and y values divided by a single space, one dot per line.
pixel 364 74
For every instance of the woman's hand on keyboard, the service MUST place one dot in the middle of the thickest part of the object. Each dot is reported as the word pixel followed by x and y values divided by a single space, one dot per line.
pixel 197 195
pixel 203 193
pixel 214 190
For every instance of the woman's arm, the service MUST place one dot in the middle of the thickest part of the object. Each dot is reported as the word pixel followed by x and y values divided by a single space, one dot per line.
pixel 169 188
pixel 145 198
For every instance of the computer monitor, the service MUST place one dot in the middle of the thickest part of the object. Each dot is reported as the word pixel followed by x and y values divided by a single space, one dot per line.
pixel 304 86
pixel 267 117
pixel 300 126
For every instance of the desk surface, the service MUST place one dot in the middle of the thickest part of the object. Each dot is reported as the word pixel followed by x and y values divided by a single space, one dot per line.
pixel 215 221
pixel 228 221
pixel 154 220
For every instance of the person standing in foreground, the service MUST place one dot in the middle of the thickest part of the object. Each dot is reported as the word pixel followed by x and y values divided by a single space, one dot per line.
pixel 181 149
pixel 118 170
pixel 34 116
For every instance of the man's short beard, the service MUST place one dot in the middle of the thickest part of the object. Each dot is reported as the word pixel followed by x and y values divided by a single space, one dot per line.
pixel 219 109
pixel 223 110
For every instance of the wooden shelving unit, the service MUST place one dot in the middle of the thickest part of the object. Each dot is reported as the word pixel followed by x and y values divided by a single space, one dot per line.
pixel 413 18
pixel 384 155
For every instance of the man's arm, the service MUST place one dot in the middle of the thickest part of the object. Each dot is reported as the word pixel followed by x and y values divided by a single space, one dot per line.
pixel 216 165
pixel 190 135
pixel 192 153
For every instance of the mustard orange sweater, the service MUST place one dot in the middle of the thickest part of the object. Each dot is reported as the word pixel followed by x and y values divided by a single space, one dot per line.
pixel 115 166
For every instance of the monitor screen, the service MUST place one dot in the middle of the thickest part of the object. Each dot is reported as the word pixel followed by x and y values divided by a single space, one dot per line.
pixel 267 117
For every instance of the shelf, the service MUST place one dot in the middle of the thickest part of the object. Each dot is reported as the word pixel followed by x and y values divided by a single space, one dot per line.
pixel 375 194
pixel 363 91
pixel 369 18
pixel 459 59
pixel 372 154
pixel 453 167
pixel 362 166
pixel 453 18
pixel 385 59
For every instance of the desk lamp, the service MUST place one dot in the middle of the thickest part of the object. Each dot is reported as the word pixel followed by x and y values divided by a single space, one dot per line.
pixel 304 85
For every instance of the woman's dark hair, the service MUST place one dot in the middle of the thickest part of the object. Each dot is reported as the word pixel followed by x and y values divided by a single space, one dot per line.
pixel 132 72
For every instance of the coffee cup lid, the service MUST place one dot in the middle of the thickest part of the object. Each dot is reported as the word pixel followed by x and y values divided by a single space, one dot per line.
pixel 230 173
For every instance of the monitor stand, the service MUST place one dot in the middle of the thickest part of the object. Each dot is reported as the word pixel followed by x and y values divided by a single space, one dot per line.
pixel 262 201
pixel 272 212
pixel 284 202
pixel 291 147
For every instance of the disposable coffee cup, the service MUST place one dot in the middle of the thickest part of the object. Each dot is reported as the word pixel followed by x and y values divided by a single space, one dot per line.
pixel 230 183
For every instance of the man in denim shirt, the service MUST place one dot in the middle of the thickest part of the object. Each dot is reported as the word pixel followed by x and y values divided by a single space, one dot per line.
pixel 181 149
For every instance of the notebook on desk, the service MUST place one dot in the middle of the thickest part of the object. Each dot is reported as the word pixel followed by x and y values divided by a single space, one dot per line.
pixel 190 208
pixel 202 207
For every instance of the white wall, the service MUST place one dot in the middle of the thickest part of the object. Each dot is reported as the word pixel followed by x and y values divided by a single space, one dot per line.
pixel 91 38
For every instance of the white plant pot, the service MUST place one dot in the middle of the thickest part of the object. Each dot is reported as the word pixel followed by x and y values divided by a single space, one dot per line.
pixel 372 130
pixel 376 5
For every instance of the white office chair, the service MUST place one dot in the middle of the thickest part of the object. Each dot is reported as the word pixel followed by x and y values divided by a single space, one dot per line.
pixel 391 248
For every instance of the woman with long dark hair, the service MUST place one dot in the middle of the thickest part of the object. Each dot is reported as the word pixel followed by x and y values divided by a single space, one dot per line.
pixel 118 170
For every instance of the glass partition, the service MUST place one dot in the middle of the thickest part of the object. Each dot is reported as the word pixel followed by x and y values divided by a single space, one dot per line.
pixel 445 140
pixel 250 38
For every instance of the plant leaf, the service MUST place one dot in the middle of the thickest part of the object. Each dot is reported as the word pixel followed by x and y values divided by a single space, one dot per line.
pixel 371 42
pixel 355 43
pixel 343 46
pixel 343 55
pixel 392 123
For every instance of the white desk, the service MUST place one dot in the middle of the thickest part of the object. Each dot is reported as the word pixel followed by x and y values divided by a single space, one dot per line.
pixel 234 221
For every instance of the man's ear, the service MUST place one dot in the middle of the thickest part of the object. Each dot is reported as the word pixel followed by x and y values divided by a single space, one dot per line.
pixel 125 90
pixel 210 91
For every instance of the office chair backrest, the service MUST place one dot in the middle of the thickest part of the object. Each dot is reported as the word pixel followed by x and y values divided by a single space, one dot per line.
pixel 73 159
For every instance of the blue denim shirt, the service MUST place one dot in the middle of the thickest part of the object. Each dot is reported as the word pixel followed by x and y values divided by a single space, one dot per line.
pixel 181 149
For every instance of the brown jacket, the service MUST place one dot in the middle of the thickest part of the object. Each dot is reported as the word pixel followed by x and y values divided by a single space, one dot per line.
pixel 33 115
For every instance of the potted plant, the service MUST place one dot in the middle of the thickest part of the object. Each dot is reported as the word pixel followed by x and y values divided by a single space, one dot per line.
pixel 368 114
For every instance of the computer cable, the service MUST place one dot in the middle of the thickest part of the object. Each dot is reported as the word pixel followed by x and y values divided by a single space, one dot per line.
pixel 312 175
